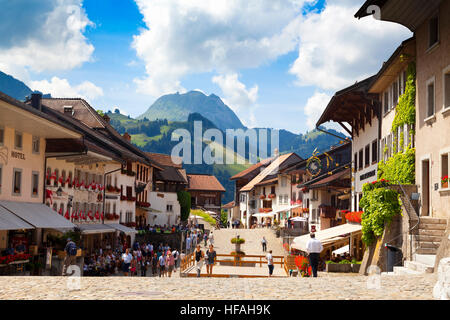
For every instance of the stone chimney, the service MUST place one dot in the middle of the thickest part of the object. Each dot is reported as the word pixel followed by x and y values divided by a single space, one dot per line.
pixel 127 136
pixel 106 118
pixel 36 101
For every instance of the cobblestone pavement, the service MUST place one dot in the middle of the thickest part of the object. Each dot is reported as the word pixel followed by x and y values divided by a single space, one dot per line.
pixel 326 286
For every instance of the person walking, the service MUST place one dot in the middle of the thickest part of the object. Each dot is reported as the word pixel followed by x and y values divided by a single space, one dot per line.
pixel 314 248
pixel 269 259
pixel 264 244
pixel 144 264
pixel 205 239
pixel 162 265
pixel 199 256
pixel 176 257
pixel 126 261
pixel 211 238
pixel 170 262
pixel 209 259
pixel 71 255
pixel 154 264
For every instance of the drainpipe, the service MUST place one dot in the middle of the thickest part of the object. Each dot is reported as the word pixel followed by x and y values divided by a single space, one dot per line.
pixel 343 138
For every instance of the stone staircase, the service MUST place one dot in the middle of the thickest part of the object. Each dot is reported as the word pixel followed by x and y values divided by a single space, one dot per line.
pixel 252 243
pixel 429 237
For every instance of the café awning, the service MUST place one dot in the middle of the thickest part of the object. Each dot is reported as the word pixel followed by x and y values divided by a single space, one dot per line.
pixel 95 228
pixel 9 221
pixel 328 236
pixel 37 214
pixel 122 228
pixel 264 215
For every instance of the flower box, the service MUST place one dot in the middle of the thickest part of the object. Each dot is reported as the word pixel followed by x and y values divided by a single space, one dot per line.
pixel 272 196
pixel 262 197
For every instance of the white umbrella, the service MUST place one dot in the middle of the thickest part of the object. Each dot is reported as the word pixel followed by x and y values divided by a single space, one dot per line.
pixel 342 250
pixel 299 219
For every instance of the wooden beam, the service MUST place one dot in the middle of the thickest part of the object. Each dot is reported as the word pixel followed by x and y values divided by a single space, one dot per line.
pixel 345 128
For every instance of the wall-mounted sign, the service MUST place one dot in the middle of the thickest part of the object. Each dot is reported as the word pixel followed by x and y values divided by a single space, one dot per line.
pixel 17 155
pixel 367 175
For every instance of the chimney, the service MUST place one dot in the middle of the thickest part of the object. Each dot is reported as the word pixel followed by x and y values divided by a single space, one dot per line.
pixel 36 101
pixel 127 136
pixel 106 118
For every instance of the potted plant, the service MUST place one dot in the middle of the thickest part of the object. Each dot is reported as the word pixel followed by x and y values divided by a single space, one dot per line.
pixel 237 242
pixel 444 181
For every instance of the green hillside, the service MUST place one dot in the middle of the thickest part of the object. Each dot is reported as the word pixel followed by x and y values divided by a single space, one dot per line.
pixel 13 87
pixel 155 136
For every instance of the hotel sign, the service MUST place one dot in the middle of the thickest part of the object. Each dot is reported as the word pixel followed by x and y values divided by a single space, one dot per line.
pixel 17 155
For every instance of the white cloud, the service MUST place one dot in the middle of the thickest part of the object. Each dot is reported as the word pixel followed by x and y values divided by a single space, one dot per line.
pixel 196 36
pixel 314 107
pixel 61 88
pixel 236 95
pixel 337 49
pixel 44 35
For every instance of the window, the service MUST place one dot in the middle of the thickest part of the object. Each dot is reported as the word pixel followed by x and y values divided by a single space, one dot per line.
pixel 360 159
pixel 68 110
pixel 34 184
pixel 374 151
pixel 404 82
pixel 356 161
pixel 129 192
pixel 394 94
pixel 272 189
pixel 444 166
pixel 283 181
pixel 386 102
pixel 137 172
pixel 433 29
pixel 315 195
pixel 169 208
pixel 389 143
pixel 286 199
pixel 18 140
pixel 367 155
pixel 17 182
pixel 2 135
pixel 446 91
pixel 36 145
pixel 430 98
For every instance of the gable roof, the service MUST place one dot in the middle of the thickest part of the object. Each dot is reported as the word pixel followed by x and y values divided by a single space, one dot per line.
pixel 164 159
pixel 204 182
pixel 273 168
pixel 251 169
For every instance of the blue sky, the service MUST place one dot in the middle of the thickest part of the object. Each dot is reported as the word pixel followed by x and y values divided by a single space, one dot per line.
pixel 275 63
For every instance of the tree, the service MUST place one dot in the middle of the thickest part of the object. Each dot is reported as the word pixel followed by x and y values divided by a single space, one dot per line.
pixel 100 112
pixel 184 198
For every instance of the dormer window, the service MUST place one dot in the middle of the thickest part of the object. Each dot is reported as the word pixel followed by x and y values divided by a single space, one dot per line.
pixel 68 110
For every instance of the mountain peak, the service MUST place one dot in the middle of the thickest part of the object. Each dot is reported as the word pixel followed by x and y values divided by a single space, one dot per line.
pixel 177 107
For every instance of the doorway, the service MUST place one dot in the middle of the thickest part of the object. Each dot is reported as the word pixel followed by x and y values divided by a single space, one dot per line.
pixel 425 188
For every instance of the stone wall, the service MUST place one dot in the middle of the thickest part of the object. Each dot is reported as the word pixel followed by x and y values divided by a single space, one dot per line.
pixel 444 248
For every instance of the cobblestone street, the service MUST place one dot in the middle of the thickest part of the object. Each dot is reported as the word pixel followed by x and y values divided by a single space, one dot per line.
pixel 340 287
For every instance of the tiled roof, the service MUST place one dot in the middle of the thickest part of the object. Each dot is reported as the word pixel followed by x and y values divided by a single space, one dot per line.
pixel 251 169
pixel 273 168
pixel 171 174
pixel 164 159
pixel 229 205
pixel 204 182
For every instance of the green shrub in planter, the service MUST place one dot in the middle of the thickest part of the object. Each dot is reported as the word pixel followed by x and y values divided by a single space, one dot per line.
pixel 344 262
pixel 237 241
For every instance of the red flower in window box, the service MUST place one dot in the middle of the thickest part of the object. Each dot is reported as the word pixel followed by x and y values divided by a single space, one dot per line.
pixel 304 190
pixel 267 209
pixel 272 196
pixel 354 216
pixel 263 196
pixel 261 210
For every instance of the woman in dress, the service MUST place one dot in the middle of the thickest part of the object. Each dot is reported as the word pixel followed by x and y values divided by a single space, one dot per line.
pixel 209 259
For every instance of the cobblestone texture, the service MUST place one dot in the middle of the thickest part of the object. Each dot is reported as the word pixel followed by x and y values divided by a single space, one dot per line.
pixel 326 286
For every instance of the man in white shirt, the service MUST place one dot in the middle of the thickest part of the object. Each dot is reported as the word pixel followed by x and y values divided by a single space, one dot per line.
pixel 314 248
pixel 126 258
pixel 269 259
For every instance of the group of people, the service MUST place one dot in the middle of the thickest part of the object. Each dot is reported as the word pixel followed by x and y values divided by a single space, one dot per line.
pixel 208 257
pixel 195 236
pixel 142 259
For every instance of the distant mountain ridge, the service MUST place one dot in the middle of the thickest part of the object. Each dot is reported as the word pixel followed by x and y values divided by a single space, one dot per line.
pixel 13 87
pixel 177 107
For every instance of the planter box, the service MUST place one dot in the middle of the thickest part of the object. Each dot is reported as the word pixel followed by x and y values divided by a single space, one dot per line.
pixel 348 268
pixel 339 268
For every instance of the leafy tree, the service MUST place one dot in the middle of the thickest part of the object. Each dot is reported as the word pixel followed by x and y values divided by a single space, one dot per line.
pixel 184 198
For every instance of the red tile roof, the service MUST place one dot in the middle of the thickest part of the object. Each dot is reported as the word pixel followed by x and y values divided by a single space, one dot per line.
pixel 165 159
pixel 229 205
pixel 204 182
pixel 251 169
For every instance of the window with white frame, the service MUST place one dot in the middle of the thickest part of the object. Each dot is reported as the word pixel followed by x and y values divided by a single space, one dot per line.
pixel 17 182
pixel 35 144
pixel 283 181
pixel 386 102
pixel 446 85
pixel 430 98
pixel 394 93
pixel 18 140
pixel 34 184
